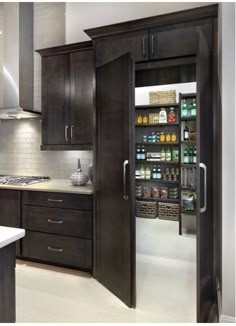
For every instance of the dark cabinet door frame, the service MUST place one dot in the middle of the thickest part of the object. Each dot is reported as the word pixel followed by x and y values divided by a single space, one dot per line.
pixel 204 19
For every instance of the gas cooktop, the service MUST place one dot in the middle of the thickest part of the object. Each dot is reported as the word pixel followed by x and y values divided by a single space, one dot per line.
pixel 21 180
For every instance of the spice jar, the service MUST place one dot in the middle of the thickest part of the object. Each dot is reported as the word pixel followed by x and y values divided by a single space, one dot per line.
pixel 173 137
pixel 168 137
pixel 145 119
pixel 139 119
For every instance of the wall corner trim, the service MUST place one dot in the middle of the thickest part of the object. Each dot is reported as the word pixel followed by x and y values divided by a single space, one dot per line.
pixel 227 319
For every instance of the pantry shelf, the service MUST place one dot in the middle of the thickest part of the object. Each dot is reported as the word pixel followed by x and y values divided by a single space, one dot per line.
pixel 157 124
pixel 158 144
pixel 158 200
pixel 188 119
pixel 158 106
pixel 158 162
pixel 188 165
pixel 188 188
pixel 188 212
pixel 157 180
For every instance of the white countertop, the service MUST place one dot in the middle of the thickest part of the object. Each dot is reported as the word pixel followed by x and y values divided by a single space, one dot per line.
pixel 9 235
pixel 54 185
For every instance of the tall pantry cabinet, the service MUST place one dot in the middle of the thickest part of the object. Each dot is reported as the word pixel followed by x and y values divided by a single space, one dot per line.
pixel 172 48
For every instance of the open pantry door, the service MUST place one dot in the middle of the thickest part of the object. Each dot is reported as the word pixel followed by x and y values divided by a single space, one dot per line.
pixel 114 182
pixel 205 217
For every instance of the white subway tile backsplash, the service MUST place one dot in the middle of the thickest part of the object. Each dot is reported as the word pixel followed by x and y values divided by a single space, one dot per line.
pixel 20 152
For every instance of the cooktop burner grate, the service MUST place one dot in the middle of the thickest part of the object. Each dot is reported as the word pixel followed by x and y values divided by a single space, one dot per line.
pixel 21 180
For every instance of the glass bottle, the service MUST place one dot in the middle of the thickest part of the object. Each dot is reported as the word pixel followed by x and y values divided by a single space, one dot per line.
pixel 145 119
pixel 193 111
pixel 147 172
pixel 143 153
pixel 184 109
pixel 168 137
pixel 173 137
pixel 142 172
pixel 163 154
pixel 172 115
pixel 195 155
pixel 162 137
pixel 138 153
pixel 154 172
pixel 163 116
pixel 186 155
pixel 175 154
pixel 168 155
pixel 139 119
pixel 158 174
pixel 190 154
pixel 186 133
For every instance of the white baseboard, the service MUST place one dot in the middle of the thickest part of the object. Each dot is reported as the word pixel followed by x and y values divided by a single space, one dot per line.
pixel 227 319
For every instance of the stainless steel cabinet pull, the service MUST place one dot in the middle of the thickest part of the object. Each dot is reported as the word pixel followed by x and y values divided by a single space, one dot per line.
pixel 204 208
pixel 54 222
pixel 152 44
pixel 66 132
pixel 143 47
pixel 55 200
pixel 72 132
pixel 55 249
pixel 125 196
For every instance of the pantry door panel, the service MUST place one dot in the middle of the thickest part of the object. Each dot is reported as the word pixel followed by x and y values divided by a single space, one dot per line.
pixel 205 218
pixel 114 182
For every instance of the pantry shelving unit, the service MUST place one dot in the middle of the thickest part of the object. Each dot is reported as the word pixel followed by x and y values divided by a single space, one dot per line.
pixel 186 188
pixel 176 127
pixel 142 129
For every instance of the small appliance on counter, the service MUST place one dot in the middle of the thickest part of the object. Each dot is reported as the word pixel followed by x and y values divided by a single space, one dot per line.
pixel 79 178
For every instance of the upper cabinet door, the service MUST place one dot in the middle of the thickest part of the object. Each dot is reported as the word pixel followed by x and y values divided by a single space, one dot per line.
pixel 172 42
pixel 115 219
pixel 55 100
pixel 109 48
pixel 82 81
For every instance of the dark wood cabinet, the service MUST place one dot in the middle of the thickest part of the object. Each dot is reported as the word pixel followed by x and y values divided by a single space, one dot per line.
pixel 170 37
pixel 10 203
pixel 109 48
pixel 59 228
pixel 55 100
pixel 67 97
pixel 172 42
pixel 7 284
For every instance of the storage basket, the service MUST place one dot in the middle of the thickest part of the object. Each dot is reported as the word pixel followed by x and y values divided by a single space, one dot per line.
pixel 162 97
pixel 147 209
pixel 168 211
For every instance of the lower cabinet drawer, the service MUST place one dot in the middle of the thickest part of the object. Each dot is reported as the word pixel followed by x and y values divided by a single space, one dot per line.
pixel 58 249
pixel 58 220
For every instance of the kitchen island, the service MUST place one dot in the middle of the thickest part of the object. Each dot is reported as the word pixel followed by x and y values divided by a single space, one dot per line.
pixel 8 237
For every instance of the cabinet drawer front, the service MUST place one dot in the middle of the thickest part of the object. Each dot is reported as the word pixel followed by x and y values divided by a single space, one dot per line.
pixel 58 220
pixel 62 200
pixel 58 249
pixel 173 43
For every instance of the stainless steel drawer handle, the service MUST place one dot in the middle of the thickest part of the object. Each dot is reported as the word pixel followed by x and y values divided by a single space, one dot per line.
pixel 55 249
pixel 152 44
pixel 72 132
pixel 204 208
pixel 54 222
pixel 125 196
pixel 66 133
pixel 55 200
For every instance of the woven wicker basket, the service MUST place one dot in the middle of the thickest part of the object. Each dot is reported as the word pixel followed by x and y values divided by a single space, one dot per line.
pixel 162 97
pixel 147 209
pixel 168 211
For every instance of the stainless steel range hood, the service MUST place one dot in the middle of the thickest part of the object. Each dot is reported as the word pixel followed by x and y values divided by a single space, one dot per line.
pixel 16 61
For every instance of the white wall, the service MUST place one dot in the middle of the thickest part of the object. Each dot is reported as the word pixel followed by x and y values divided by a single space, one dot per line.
pixel 82 15
pixel 227 31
